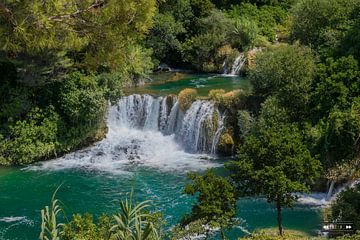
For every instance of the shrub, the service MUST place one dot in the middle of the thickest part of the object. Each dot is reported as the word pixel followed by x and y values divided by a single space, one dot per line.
pixel 186 98
pixel 216 94
pixel 34 138
pixel 83 227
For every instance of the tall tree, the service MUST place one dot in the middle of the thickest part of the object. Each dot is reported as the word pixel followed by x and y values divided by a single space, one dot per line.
pixel 216 204
pixel 274 162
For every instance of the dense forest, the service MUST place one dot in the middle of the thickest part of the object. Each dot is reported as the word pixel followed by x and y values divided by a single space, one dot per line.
pixel 63 62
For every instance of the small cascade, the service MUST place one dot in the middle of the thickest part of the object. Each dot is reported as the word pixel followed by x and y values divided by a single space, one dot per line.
pixel 324 199
pixel 218 133
pixel 330 191
pixel 238 64
pixel 197 130
pixel 225 68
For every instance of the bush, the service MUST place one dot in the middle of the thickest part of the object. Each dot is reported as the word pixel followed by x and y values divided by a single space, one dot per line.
pixel 216 94
pixel 186 98
pixel 83 227
pixel 32 139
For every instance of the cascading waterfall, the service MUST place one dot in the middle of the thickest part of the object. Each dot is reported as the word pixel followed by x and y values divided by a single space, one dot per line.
pixel 152 132
pixel 238 64
pixel 236 67
pixel 330 190
pixel 196 130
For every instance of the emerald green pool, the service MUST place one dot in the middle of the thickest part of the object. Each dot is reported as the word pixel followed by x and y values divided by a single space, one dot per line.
pixel 173 83
pixel 25 192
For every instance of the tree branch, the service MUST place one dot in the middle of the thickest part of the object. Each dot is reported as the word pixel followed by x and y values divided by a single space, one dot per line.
pixel 8 14
pixel 60 18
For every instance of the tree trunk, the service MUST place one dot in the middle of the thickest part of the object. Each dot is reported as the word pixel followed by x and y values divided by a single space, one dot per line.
pixel 279 217
pixel 222 233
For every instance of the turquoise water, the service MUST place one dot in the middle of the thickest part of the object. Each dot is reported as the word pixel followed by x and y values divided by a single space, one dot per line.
pixel 167 83
pixel 25 192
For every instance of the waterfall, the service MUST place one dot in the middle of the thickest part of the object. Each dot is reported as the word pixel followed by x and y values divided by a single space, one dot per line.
pixel 238 64
pixel 236 67
pixel 218 133
pixel 324 199
pixel 150 132
pixel 330 191
pixel 197 130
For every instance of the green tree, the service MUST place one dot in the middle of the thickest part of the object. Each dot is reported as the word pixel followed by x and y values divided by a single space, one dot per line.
pixel 200 50
pixel 163 37
pixel 268 19
pixel 216 204
pixel 338 83
pixel 133 221
pixel 245 32
pixel 286 72
pixel 322 23
pixel 274 162
pixel 340 134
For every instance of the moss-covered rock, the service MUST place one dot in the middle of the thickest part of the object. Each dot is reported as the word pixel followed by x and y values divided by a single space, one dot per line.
pixel 186 98
pixel 226 143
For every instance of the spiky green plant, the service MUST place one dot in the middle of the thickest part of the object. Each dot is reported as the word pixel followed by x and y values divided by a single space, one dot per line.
pixel 50 228
pixel 132 222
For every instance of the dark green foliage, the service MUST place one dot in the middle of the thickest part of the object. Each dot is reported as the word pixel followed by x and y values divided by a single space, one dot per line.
pixel 32 139
pixel 216 200
pixel 338 83
pixel 267 18
pixel 351 42
pixel 163 37
pixel 347 206
pixel 323 24
pixel 274 162
pixel 286 72
pixel 201 50
pixel 340 133
pixel 81 100
pixel 229 3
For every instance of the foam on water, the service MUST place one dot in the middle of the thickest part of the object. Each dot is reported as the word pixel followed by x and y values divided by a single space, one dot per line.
pixel 13 219
pixel 143 131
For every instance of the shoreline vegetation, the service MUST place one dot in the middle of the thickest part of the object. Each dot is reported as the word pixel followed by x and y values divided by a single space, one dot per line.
pixel 297 129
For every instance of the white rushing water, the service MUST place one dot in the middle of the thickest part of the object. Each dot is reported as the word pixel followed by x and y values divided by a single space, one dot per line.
pixel 152 132
pixel 324 199
pixel 236 67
